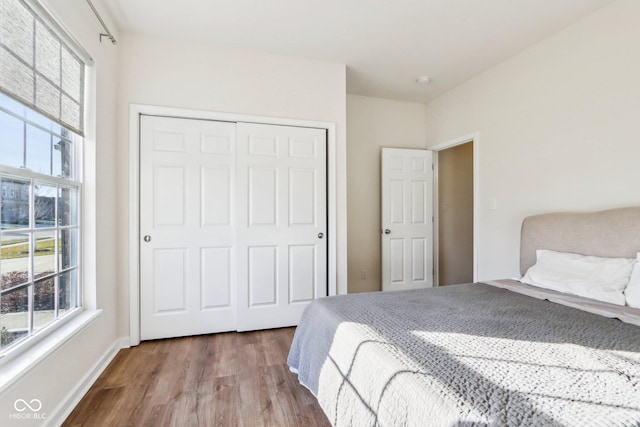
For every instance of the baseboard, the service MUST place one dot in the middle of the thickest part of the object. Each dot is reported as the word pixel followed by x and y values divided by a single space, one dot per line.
pixel 123 342
pixel 57 417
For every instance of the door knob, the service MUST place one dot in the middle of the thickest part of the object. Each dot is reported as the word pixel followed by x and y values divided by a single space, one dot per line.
pixel 320 235
pixel 147 238
pixel 387 231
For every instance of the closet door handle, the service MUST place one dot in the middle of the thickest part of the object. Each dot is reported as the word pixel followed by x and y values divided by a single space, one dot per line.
pixel 320 235
pixel 387 231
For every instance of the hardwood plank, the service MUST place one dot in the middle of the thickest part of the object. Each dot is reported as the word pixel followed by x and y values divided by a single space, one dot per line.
pixel 230 379
pixel 105 406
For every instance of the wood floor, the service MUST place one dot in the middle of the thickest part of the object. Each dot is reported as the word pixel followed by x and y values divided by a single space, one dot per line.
pixel 231 379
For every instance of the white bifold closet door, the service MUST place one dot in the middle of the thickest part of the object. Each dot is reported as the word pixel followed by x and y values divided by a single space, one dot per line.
pixel 232 220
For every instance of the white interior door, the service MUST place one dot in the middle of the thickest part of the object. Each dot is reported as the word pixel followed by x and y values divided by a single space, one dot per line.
pixel 282 241
pixel 407 219
pixel 187 221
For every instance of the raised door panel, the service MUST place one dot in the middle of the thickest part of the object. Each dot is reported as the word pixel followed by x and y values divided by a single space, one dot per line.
pixel 397 256
pixel 397 201
pixel 216 143
pixel 170 280
pixel 419 164
pixel 419 202
pixel 216 197
pixel 169 140
pixel 263 196
pixel 303 147
pixel 418 259
pixel 169 196
pixel 302 273
pixel 302 197
pixel 263 275
pixel 263 146
pixel 216 277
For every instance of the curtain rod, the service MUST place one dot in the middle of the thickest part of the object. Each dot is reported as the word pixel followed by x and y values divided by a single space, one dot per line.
pixel 106 29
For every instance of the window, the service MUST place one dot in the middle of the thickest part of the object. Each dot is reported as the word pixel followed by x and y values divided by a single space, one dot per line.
pixel 39 222
pixel 41 129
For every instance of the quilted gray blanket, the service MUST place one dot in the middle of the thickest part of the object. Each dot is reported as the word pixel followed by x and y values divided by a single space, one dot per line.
pixel 466 355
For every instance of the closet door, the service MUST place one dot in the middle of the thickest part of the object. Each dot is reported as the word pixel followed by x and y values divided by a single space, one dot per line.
pixel 187 224
pixel 281 228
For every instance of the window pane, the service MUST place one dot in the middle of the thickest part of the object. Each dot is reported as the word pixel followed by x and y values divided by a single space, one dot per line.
pixel 44 205
pixel 14 260
pixel 11 140
pixel 14 203
pixel 44 300
pixel 67 206
pixel 68 248
pixel 44 261
pixel 67 291
pixel 12 105
pixel 14 316
pixel 38 150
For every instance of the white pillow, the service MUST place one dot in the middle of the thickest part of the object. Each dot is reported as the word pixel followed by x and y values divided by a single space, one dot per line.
pixel 632 292
pixel 598 278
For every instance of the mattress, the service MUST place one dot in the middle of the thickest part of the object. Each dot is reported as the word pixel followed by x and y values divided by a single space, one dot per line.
pixel 466 355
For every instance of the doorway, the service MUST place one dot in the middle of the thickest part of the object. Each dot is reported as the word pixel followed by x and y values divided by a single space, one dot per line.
pixel 455 203
pixel 455 211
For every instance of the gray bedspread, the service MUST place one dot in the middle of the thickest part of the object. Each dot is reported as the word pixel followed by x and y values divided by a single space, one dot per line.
pixel 466 355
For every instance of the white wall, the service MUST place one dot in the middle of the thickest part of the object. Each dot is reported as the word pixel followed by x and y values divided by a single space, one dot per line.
pixel 202 77
pixel 56 376
pixel 558 128
pixel 373 123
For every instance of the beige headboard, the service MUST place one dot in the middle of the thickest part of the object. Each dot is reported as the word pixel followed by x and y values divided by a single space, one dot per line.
pixel 611 233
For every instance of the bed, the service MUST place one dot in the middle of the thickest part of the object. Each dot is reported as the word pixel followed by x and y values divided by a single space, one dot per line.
pixel 495 353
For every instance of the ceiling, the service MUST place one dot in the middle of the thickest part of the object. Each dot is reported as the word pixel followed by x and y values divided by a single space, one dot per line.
pixel 385 44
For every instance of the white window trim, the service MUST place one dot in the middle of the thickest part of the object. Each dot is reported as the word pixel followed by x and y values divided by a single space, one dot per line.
pixel 135 111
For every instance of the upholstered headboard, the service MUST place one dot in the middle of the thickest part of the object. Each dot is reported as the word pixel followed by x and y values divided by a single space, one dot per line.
pixel 611 233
